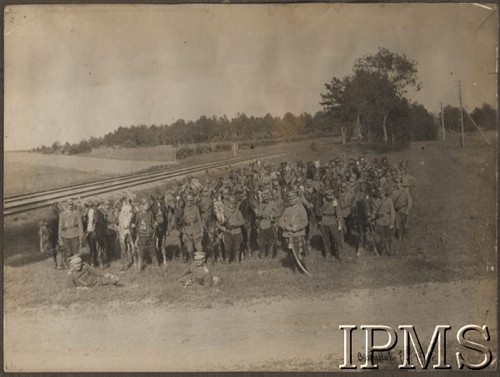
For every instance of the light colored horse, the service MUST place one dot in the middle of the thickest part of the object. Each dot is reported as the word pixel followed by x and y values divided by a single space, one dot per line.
pixel 127 245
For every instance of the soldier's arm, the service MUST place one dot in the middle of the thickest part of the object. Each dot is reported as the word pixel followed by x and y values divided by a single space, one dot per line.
pixel 393 214
pixel 80 228
pixel 410 200
pixel 59 229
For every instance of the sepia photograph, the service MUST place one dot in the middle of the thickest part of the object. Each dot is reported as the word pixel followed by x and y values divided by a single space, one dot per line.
pixel 271 187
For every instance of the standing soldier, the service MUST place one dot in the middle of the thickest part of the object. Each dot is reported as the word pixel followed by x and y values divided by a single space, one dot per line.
pixel 70 231
pixel 144 224
pixel 402 205
pixel 384 217
pixel 294 222
pixel 232 230
pixel 53 227
pixel 192 231
pixel 267 214
pixel 331 226
pixel 345 207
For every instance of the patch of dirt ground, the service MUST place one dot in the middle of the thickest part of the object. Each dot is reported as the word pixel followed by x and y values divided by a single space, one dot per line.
pixel 283 334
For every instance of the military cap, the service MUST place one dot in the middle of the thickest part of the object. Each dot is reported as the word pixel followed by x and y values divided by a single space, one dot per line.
pixel 199 256
pixel 75 259
pixel 292 194
pixel 144 201
pixel 231 200
pixel 329 193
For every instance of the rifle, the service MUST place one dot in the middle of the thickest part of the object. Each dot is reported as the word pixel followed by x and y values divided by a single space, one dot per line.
pixel 183 273
pixel 370 227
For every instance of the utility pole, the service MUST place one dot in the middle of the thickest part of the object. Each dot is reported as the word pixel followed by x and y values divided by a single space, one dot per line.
pixel 462 140
pixel 442 122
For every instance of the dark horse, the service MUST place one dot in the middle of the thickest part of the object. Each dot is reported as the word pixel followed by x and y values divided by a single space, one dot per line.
pixel 159 210
pixel 361 208
pixel 96 237
pixel 248 213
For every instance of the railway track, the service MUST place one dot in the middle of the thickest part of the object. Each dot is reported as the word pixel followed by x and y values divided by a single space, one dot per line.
pixel 31 201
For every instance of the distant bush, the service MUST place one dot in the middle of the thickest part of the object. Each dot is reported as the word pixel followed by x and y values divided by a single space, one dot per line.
pixel 193 150
pixel 313 147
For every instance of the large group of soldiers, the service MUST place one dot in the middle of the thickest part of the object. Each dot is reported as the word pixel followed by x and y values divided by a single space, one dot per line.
pixel 252 211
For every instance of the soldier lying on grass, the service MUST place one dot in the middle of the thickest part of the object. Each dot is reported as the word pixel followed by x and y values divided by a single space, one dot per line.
pixel 85 276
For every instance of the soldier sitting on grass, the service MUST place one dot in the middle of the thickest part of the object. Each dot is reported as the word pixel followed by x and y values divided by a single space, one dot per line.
pixel 199 272
pixel 85 277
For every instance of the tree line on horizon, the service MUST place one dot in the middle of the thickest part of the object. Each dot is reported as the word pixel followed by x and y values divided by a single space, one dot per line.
pixel 370 105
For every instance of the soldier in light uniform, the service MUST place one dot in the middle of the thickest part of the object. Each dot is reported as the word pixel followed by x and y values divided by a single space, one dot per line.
pixel 294 222
pixel 232 230
pixel 70 232
pixel 403 202
pixel 192 230
pixel 384 216
pixel 331 225
pixel 144 224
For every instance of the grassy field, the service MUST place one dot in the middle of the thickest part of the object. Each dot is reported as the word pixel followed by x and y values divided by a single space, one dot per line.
pixel 156 153
pixel 452 237
pixel 263 315
pixel 31 172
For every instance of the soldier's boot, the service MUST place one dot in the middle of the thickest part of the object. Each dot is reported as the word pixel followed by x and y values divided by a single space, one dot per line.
pixel 54 257
pixel 390 248
pixel 237 255
pixel 140 261
pixel 405 233
pixel 269 251
pixel 340 250
pixel 274 251
pixel 306 248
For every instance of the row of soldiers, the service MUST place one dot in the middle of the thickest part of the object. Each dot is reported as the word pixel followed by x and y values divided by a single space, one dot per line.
pixel 262 206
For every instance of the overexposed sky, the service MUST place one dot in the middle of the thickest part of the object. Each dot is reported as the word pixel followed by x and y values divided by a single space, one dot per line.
pixel 77 71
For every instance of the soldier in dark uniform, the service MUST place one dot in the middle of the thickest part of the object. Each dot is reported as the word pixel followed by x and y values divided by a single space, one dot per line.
pixel 267 214
pixel 331 225
pixel 232 230
pixel 70 232
pixel 384 217
pixel 84 276
pixel 345 202
pixel 144 224
pixel 53 227
pixel 402 205
pixel 198 273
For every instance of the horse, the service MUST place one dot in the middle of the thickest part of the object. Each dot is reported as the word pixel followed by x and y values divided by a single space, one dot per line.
pixel 361 207
pixel 248 213
pixel 96 237
pixel 159 210
pixel 125 237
